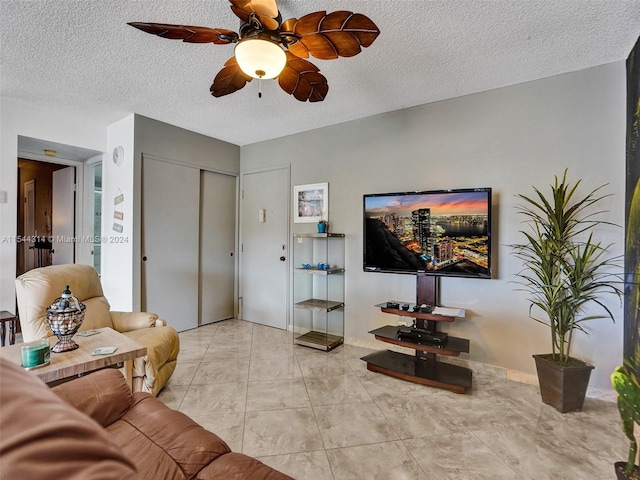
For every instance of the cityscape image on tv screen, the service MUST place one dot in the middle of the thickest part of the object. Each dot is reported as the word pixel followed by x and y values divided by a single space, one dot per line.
pixel 442 233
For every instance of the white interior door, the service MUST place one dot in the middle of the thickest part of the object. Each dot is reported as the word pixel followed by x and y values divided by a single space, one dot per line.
pixel 63 211
pixel 265 247
pixel 29 223
pixel 217 246
pixel 170 225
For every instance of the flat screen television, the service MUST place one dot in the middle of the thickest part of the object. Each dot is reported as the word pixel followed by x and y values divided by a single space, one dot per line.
pixel 443 232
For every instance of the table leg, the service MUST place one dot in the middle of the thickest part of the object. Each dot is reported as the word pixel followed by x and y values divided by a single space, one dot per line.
pixel 13 326
pixel 2 334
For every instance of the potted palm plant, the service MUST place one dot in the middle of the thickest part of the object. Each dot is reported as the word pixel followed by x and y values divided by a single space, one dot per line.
pixel 629 408
pixel 564 270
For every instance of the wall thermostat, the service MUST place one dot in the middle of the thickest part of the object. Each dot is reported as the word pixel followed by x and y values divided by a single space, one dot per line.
pixel 118 155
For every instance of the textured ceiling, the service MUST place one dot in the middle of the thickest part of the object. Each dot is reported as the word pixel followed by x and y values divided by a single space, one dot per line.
pixel 82 55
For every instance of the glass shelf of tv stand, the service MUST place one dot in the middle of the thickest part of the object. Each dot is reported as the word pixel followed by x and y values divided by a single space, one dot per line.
pixel 453 347
pixel 439 314
pixel 425 371
pixel 423 367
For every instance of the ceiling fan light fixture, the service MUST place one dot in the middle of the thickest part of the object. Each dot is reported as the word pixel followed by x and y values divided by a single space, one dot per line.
pixel 260 58
pixel 266 47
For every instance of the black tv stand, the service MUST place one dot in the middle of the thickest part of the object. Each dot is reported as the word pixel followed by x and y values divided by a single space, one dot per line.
pixel 424 367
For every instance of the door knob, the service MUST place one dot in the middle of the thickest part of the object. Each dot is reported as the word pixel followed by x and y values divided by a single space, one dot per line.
pixel 282 258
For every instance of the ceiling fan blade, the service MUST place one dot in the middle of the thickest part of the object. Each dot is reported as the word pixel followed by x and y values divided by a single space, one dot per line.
pixel 187 33
pixel 266 12
pixel 290 40
pixel 329 35
pixel 303 80
pixel 230 79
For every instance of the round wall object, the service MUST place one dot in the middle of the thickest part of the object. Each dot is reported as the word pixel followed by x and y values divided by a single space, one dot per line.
pixel 118 155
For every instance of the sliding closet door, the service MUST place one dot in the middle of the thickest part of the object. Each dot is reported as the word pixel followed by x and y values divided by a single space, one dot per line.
pixel 217 246
pixel 170 238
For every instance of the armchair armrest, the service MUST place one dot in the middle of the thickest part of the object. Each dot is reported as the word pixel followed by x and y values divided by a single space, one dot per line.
pixel 128 321
pixel 103 395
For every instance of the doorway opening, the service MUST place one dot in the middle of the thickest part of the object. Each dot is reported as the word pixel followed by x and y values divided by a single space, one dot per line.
pixel 58 202
pixel 35 207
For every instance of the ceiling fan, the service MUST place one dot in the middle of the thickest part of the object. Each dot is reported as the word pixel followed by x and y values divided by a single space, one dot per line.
pixel 267 47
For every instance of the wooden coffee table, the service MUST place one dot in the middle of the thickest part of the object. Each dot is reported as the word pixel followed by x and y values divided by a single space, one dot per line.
pixel 75 363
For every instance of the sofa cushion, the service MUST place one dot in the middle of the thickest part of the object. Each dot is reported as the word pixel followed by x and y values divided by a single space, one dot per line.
pixel 104 395
pixel 165 443
pixel 45 438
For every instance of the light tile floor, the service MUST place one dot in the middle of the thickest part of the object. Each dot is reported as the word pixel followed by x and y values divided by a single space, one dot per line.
pixel 324 416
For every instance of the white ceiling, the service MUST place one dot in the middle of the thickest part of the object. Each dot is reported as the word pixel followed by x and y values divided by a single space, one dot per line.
pixel 82 55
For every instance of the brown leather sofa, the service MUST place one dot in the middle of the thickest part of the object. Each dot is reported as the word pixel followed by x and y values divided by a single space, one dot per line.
pixel 38 288
pixel 94 428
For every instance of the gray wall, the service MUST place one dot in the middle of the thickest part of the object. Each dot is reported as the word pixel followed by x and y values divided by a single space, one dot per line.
pixel 141 135
pixel 508 139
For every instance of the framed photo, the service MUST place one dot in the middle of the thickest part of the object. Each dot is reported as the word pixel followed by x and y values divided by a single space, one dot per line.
pixel 311 203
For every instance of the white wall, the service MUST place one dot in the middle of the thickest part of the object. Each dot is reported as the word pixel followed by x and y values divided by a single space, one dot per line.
pixel 19 118
pixel 117 248
pixel 508 139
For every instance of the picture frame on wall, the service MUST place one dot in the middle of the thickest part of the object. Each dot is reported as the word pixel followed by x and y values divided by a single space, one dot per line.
pixel 311 203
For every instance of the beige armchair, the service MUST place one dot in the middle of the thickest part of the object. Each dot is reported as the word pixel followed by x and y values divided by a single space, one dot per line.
pixel 38 288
